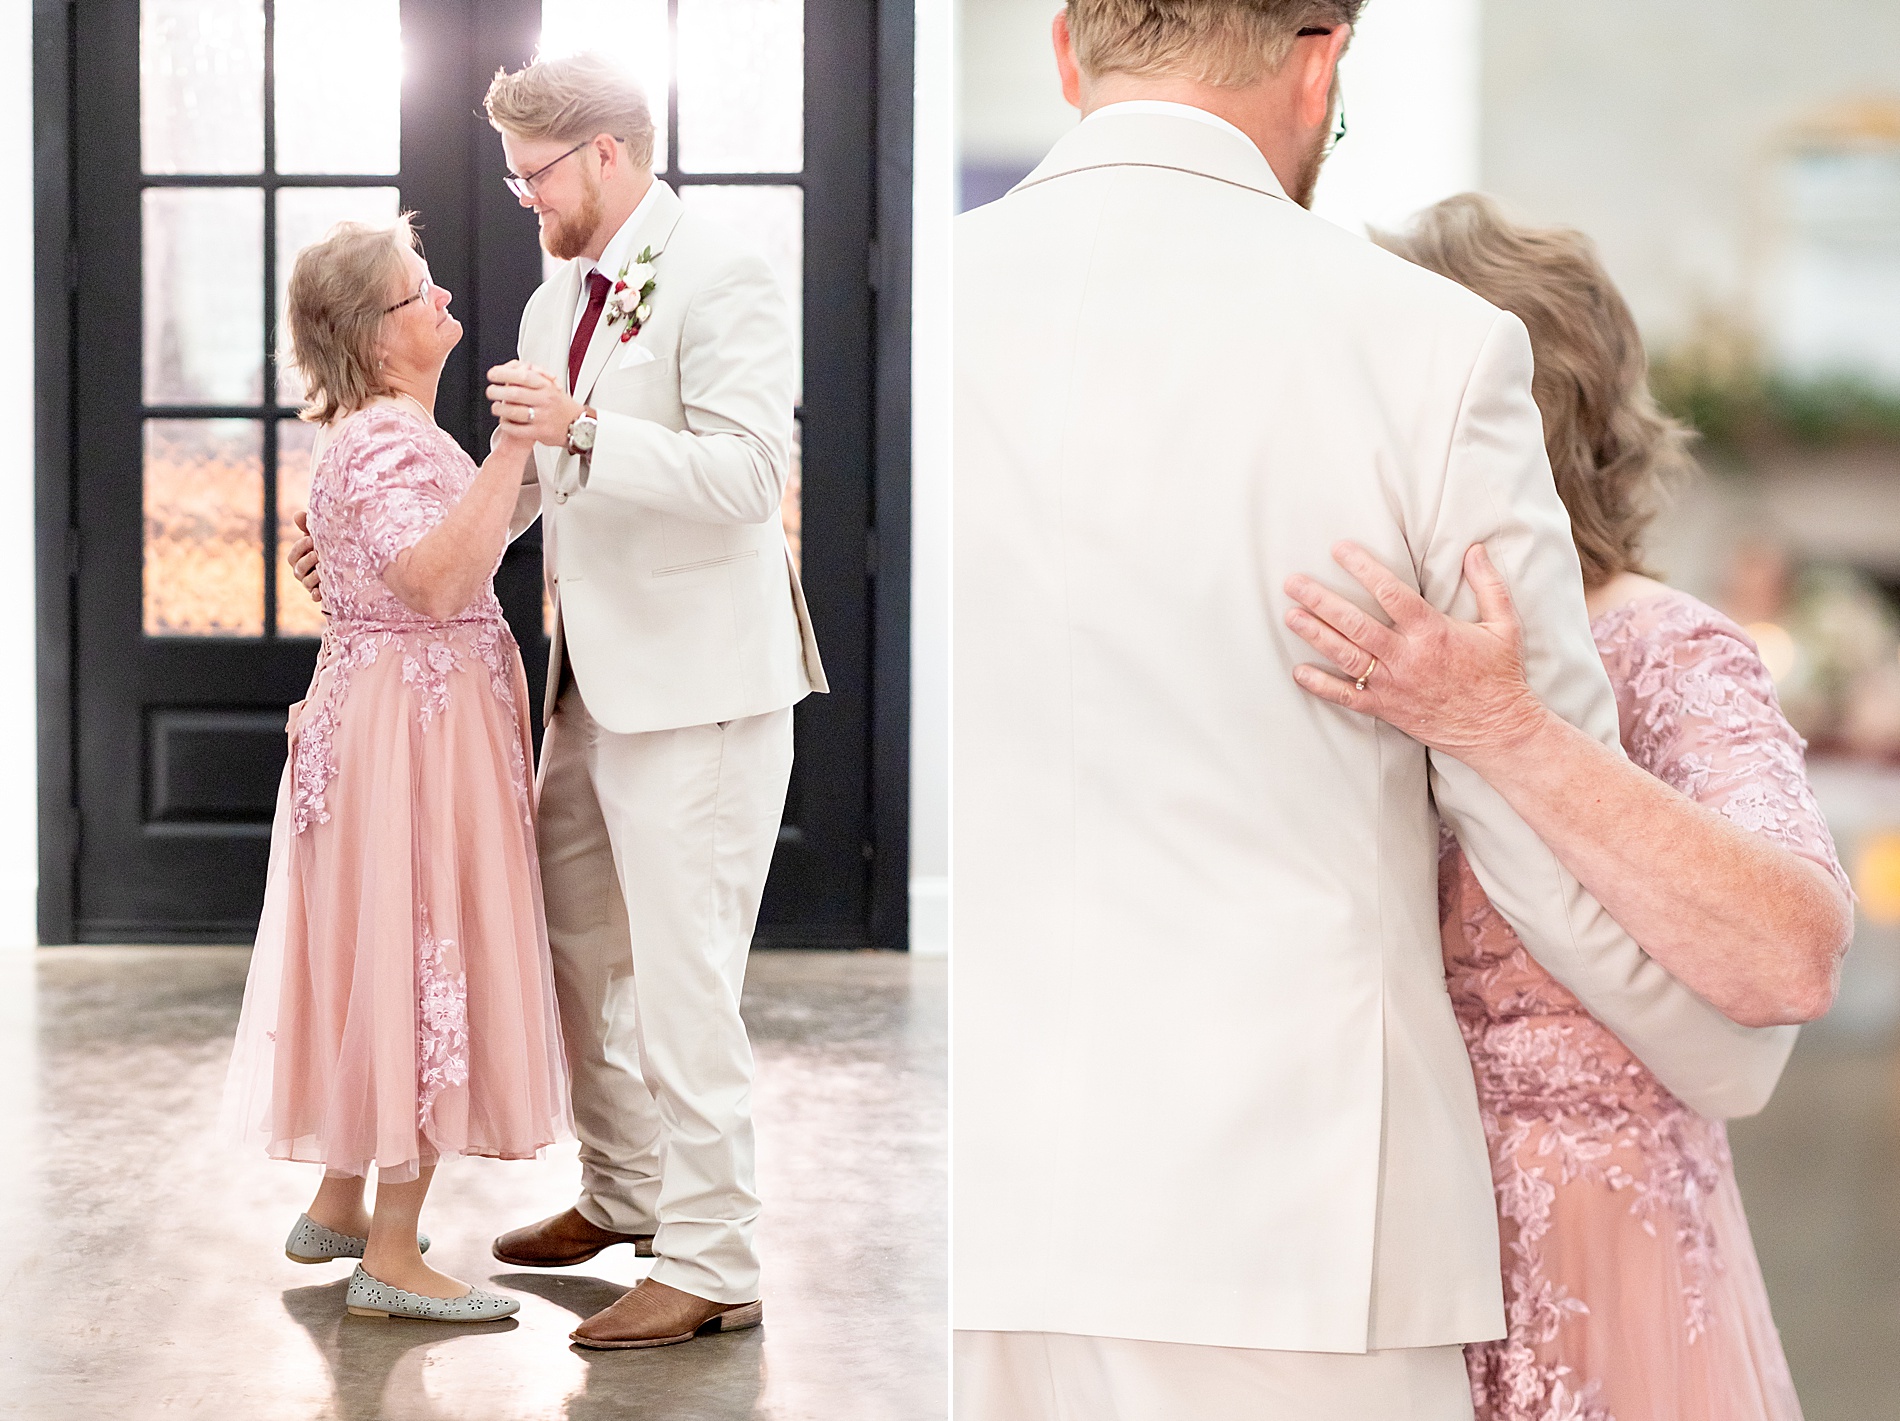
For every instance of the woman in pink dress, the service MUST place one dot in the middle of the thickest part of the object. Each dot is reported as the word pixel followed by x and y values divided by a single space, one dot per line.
pixel 400 1008
pixel 1631 1288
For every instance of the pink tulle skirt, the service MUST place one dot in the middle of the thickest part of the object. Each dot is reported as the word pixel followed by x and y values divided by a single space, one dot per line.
pixel 400 1006
pixel 1631 1285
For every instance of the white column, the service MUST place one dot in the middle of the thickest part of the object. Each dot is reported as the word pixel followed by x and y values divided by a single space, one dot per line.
pixel 932 196
pixel 19 778
pixel 1410 83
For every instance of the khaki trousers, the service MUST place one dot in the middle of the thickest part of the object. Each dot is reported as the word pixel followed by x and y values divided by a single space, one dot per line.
pixel 1052 1376
pixel 654 850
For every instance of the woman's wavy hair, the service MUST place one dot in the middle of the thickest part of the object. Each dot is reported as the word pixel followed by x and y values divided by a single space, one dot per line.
pixel 340 291
pixel 1612 449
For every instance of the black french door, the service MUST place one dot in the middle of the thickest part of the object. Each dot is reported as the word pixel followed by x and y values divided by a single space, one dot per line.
pixel 192 146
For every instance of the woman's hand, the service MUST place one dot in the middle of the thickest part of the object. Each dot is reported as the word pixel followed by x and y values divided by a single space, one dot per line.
pixel 1457 687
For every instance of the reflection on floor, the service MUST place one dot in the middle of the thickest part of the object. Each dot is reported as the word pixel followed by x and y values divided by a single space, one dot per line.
pixel 1820 1168
pixel 1820 1173
pixel 143 1268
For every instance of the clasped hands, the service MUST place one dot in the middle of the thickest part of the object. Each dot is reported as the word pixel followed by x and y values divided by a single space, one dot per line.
pixel 532 409
pixel 1458 687
pixel 530 404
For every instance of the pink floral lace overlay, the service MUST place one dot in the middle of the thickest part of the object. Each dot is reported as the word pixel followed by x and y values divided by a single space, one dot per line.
pixel 1576 1124
pixel 381 486
pixel 441 1020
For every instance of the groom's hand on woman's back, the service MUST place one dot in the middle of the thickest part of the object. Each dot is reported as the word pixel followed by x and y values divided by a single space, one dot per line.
pixel 302 558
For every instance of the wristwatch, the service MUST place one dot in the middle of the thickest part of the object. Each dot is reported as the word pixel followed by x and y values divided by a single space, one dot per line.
pixel 580 434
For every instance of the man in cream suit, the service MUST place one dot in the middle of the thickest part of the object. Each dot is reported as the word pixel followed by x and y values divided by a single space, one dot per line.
pixel 1217 1148
pixel 656 373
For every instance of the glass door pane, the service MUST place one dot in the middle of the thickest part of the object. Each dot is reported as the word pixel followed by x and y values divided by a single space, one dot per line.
pixel 742 86
pixel 204 527
pixel 201 86
pixel 339 86
pixel 633 33
pixel 204 296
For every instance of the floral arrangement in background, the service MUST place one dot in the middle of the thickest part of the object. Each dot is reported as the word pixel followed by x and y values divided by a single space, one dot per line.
pixel 1830 636
pixel 1719 382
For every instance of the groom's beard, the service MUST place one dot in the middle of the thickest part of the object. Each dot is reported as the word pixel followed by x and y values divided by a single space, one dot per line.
pixel 566 237
pixel 1306 180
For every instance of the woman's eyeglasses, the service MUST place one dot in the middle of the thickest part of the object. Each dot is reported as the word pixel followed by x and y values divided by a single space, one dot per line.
pixel 524 187
pixel 423 293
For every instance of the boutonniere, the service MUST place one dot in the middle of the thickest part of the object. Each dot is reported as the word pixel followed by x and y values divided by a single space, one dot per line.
pixel 629 302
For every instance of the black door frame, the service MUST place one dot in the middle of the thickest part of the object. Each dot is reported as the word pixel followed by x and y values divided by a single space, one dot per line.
pixel 876 36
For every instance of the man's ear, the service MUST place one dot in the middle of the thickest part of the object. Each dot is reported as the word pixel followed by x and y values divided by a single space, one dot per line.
pixel 1316 83
pixel 1069 71
pixel 609 150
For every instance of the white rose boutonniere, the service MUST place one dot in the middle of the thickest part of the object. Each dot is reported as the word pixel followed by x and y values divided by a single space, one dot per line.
pixel 629 304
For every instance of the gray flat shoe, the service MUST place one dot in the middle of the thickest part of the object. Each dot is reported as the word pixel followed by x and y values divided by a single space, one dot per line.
pixel 368 1298
pixel 311 1242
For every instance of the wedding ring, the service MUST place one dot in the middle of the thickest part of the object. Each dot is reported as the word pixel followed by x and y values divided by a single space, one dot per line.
pixel 1360 683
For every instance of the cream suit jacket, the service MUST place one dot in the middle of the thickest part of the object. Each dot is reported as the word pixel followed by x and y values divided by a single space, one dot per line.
pixel 665 555
pixel 1208 1087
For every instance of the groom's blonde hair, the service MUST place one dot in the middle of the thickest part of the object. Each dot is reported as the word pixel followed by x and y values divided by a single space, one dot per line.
pixel 571 100
pixel 1229 43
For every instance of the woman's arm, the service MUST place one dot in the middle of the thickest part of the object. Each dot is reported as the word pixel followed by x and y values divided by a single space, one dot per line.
pixel 1752 927
pixel 449 565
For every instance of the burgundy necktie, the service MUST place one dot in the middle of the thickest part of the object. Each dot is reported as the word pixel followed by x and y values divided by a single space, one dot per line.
pixel 597 288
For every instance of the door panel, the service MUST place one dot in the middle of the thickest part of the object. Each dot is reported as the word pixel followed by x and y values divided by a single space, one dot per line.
pixel 219 137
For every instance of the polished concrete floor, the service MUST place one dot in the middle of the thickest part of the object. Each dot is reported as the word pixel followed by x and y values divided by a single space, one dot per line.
pixel 1820 1174
pixel 143 1268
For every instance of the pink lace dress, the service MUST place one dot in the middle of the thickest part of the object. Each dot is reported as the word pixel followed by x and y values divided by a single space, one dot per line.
pixel 400 1006
pixel 1631 1287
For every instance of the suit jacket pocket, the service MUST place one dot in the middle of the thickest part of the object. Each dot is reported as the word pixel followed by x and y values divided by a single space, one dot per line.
pixel 721 561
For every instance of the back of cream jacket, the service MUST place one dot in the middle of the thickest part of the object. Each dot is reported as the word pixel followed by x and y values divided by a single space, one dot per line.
pixel 1208 1085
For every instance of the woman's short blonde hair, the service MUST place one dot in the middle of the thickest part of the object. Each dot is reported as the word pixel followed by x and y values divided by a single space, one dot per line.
pixel 571 100
pixel 1229 43
pixel 1612 450
pixel 340 292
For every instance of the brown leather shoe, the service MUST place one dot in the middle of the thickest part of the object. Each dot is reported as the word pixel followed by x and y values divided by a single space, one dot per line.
pixel 565 1239
pixel 654 1315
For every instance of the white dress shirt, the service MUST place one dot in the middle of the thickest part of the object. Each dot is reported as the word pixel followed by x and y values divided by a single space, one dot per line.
pixel 616 254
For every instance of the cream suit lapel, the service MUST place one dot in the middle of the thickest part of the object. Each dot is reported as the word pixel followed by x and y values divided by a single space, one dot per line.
pixel 654 230
pixel 557 329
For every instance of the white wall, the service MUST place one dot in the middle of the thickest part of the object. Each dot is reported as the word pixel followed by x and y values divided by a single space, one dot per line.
pixel 932 195
pixel 19 814
pixel 1410 82
pixel 1410 85
pixel 1659 130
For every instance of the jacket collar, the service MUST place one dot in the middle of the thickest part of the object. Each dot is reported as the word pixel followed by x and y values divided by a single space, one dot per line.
pixel 652 225
pixel 1149 137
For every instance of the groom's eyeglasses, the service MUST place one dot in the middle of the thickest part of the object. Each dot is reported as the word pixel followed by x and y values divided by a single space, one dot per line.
pixel 524 187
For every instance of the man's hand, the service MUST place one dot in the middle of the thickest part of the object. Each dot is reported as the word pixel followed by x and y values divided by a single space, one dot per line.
pixel 302 557
pixel 531 404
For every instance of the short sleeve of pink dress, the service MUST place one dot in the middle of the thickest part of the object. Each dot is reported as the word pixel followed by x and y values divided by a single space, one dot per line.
pixel 400 1007
pixel 1632 1291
